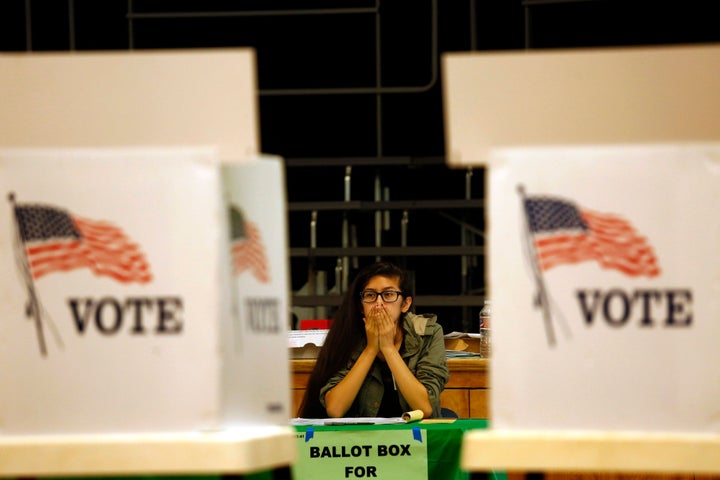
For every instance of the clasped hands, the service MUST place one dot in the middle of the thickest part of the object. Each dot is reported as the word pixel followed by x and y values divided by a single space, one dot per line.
pixel 381 330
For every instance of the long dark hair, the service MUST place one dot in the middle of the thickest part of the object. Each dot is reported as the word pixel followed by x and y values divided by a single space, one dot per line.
pixel 346 334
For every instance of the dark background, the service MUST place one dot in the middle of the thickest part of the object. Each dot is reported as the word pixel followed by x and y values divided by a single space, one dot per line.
pixel 357 83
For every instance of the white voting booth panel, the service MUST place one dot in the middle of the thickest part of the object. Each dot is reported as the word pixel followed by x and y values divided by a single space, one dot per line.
pixel 602 182
pixel 156 152
pixel 257 376
pixel 141 288
pixel 578 96
pixel 149 98
pixel 606 284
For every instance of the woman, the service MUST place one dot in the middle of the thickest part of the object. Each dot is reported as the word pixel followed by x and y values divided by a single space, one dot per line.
pixel 379 359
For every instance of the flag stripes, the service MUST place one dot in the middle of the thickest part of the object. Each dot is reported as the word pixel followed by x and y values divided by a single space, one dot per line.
pixel 565 234
pixel 56 241
pixel 248 253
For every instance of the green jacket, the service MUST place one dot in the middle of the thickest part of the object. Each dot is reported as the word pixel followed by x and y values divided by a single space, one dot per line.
pixel 423 350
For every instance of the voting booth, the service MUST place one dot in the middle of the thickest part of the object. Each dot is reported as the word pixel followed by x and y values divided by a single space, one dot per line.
pixel 603 182
pixel 604 273
pixel 144 244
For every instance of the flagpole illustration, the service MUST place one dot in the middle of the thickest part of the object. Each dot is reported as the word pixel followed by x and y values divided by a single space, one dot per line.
pixel 541 298
pixel 50 239
pixel 33 304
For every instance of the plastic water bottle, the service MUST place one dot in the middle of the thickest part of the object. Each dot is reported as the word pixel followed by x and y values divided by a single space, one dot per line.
pixel 485 316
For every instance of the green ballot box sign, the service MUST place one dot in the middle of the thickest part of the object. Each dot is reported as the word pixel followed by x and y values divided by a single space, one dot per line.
pixel 388 454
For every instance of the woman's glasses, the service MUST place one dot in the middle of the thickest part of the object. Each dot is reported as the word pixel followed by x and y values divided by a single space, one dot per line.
pixel 388 296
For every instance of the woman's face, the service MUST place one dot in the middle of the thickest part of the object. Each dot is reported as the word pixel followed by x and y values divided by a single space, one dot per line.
pixel 381 284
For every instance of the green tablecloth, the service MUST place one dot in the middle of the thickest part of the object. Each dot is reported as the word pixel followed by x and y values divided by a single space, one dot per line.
pixel 444 441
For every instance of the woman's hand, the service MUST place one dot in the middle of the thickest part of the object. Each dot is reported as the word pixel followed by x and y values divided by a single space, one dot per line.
pixel 387 331
pixel 371 333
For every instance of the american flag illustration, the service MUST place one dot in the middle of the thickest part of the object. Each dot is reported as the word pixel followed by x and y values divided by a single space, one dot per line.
pixel 560 233
pixel 54 240
pixel 564 233
pixel 50 239
pixel 247 248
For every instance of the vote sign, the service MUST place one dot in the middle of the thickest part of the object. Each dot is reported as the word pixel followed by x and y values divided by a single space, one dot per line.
pixel 604 279
pixel 141 288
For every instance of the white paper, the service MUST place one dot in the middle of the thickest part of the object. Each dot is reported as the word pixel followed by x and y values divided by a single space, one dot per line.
pixel 348 421
pixel 300 338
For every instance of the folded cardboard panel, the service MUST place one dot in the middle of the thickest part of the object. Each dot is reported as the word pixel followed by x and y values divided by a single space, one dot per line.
pixel 578 96
pixel 256 380
pixel 142 97
pixel 122 310
pixel 605 273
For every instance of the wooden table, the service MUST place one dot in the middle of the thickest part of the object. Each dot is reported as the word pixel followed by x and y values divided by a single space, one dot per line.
pixel 466 393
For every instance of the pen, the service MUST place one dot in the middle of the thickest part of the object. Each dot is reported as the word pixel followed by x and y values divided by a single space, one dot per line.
pixel 349 423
